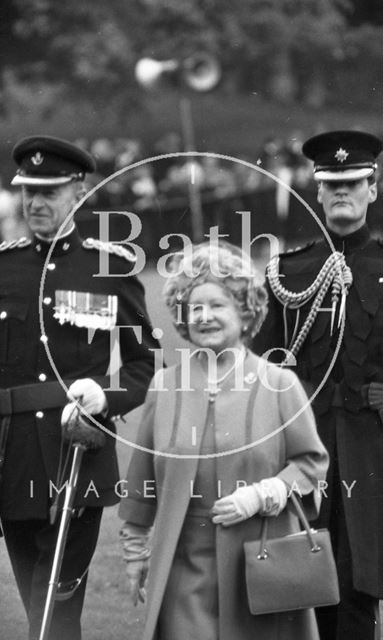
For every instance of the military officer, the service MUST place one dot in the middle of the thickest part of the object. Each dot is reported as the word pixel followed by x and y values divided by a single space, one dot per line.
pixel 57 319
pixel 339 359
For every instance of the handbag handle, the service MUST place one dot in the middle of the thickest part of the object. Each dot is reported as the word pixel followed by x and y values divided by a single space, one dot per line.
pixel 262 555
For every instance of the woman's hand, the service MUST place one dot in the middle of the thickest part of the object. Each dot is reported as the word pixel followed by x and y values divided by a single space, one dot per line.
pixel 238 506
pixel 267 497
pixel 136 572
pixel 136 552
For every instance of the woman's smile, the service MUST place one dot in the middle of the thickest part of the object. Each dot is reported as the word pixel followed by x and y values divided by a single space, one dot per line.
pixel 214 319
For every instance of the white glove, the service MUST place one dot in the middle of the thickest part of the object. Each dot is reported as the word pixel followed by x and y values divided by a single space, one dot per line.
pixel 68 413
pixel 267 497
pixel 238 506
pixel 136 573
pixel 90 394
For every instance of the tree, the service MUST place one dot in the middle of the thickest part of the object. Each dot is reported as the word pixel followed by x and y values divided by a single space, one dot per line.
pixel 359 12
pixel 287 50
pixel 266 42
pixel 80 49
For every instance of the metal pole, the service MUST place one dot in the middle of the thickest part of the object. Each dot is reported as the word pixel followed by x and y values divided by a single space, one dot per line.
pixel 70 492
pixel 193 187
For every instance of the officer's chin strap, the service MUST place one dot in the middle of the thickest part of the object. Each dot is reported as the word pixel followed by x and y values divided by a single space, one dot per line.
pixel 334 273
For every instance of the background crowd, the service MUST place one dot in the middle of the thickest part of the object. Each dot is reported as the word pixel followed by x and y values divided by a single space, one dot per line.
pixel 167 181
pixel 163 185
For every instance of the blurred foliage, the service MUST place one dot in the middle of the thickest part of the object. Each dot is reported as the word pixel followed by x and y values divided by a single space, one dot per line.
pixel 79 49
pixel 363 11
pixel 291 51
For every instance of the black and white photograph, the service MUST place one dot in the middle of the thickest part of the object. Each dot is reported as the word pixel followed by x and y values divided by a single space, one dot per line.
pixel 191 320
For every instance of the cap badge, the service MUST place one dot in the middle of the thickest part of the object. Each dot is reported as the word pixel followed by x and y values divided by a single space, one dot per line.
pixel 341 155
pixel 37 158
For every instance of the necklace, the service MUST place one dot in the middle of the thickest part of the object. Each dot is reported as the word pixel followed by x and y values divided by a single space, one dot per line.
pixel 212 384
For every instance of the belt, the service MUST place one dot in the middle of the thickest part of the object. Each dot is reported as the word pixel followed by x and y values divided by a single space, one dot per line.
pixel 30 397
pixel 371 396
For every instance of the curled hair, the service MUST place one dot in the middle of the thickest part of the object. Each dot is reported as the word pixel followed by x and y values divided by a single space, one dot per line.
pixel 223 264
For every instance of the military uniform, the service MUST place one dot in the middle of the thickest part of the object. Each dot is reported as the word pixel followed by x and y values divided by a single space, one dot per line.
pixel 25 361
pixel 342 372
pixel 48 306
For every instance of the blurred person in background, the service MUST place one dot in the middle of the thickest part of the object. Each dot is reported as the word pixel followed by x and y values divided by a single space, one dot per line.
pixel 104 151
pixel 127 152
pixel 78 313
pixel 170 142
pixel 12 223
pixel 197 499
pixel 142 186
pixel 218 179
pixel 177 178
pixel 342 372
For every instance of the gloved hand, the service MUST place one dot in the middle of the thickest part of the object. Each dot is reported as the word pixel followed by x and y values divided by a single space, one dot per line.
pixel 267 497
pixel 78 428
pixel 238 506
pixel 137 571
pixel 91 395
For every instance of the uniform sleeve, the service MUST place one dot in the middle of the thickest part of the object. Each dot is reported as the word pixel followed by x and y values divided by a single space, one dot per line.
pixel 137 350
pixel 271 334
pixel 139 507
pixel 306 457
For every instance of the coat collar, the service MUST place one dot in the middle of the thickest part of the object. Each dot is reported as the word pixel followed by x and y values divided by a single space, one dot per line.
pixel 352 242
pixel 64 245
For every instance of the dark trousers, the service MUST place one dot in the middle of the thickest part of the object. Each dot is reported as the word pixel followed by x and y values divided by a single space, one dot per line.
pixel 31 545
pixel 356 617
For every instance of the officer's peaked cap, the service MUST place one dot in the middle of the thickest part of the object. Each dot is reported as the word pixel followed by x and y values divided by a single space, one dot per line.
pixel 46 160
pixel 343 155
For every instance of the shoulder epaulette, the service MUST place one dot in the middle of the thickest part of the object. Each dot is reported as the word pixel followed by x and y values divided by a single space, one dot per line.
pixel 296 250
pixel 111 247
pixel 20 243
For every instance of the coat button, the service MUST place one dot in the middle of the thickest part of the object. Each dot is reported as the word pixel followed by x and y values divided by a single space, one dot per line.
pixel 39 414
pixel 3 315
pixel 44 338
pixel 47 300
pixel 51 266
pixel 42 377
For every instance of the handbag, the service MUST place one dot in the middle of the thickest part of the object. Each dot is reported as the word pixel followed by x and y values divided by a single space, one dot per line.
pixel 293 572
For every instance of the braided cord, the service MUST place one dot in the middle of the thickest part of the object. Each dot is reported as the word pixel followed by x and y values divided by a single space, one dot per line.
pixel 334 273
pixel 308 323
pixel 111 247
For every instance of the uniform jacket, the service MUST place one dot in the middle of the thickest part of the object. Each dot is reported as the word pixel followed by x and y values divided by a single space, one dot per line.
pixel 349 428
pixel 159 486
pixel 33 447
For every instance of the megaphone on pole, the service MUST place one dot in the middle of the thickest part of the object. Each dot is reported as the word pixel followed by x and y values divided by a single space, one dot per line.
pixel 200 72
pixel 148 71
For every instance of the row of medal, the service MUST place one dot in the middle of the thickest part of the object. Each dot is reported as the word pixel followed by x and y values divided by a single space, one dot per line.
pixel 84 309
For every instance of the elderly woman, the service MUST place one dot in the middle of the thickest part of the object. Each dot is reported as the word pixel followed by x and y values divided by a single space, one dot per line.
pixel 224 436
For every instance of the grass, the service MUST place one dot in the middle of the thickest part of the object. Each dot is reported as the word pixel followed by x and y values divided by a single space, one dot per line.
pixel 107 611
